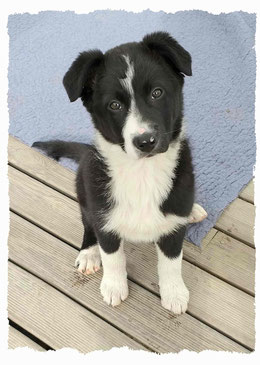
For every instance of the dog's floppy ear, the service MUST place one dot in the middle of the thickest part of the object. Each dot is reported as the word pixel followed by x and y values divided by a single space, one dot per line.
pixel 81 73
pixel 168 48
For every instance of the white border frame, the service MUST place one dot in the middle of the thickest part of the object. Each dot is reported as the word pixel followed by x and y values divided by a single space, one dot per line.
pixel 68 355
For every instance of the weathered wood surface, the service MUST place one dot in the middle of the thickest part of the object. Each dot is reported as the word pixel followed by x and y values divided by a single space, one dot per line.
pixel 236 219
pixel 35 200
pixel 248 193
pixel 215 302
pixel 56 319
pixel 141 315
pixel 41 167
pixel 226 258
pixel 18 339
pixel 220 260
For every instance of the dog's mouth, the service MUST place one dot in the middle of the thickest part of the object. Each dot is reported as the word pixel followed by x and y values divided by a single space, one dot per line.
pixel 156 151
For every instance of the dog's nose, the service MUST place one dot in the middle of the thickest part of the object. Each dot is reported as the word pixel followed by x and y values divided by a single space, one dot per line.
pixel 145 142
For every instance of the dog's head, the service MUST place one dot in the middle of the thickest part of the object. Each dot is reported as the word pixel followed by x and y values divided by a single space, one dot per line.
pixel 133 92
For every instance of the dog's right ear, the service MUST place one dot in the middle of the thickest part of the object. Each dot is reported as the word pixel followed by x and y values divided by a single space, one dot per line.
pixel 170 50
pixel 81 73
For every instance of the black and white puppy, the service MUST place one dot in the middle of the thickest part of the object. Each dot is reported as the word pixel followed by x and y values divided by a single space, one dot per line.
pixel 135 183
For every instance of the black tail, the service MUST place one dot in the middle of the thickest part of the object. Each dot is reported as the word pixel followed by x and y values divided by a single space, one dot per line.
pixel 58 149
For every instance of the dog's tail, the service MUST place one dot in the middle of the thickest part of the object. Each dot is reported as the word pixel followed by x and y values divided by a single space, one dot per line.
pixel 58 149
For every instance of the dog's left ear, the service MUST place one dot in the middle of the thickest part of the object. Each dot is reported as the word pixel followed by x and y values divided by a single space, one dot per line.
pixel 81 73
pixel 172 52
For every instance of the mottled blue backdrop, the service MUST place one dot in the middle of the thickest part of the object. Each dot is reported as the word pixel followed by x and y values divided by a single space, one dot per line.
pixel 219 97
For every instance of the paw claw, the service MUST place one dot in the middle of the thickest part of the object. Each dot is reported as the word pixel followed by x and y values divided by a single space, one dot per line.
pixel 175 298
pixel 88 261
pixel 198 214
pixel 114 291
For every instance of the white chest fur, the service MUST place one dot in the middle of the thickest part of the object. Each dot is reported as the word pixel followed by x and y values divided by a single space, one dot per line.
pixel 138 188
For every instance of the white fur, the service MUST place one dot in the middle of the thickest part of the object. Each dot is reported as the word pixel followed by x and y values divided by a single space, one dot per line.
pixel 132 127
pixel 134 121
pixel 197 214
pixel 88 260
pixel 127 81
pixel 138 188
pixel 114 287
pixel 174 294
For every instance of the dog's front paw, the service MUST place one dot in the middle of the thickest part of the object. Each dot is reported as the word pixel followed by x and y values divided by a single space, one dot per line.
pixel 88 260
pixel 113 290
pixel 175 297
pixel 198 214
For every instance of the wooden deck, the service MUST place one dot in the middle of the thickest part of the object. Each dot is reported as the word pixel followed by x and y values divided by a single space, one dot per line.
pixel 52 306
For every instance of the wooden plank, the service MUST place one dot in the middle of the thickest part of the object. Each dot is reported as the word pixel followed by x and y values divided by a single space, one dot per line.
pixel 57 320
pixel 214 301
pixel 225 257
pixel 37 250
pixel 41 167
pixel 36 201
pixel 40 201
pixel 238 220
pixel 248 193
pixel 18 339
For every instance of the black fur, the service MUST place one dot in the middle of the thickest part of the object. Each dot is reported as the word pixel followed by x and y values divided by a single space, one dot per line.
pixel 171 244
pixel 159 61
pixel 181 198
pixel 58 149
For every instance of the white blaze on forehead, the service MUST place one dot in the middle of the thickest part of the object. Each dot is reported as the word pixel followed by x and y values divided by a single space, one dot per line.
pixel 134 124
pixel 127 81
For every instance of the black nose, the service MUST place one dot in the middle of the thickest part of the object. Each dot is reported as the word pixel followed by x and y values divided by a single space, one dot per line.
pixel 145 142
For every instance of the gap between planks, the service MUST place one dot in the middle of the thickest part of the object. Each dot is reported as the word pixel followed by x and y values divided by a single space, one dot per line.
pixel 18 339
pixel 163 332
pixel 56 319
pixel 219 255
pixel 237 220
pixel 221 304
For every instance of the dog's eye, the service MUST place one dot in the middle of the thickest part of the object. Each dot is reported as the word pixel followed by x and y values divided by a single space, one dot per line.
pixel 157 93
pixel 115 105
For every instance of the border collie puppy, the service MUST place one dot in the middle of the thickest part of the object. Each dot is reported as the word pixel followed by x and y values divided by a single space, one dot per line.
pixel 135 183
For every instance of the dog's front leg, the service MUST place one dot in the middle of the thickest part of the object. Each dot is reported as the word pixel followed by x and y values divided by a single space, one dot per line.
pixel 174 294
pixel 114 287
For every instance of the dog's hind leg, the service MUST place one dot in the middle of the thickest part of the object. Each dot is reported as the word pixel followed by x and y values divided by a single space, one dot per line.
pixel 198 214
pixel 88 260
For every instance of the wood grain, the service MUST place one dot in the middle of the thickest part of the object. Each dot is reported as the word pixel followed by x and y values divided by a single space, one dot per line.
pixel 248 193
pixel 18 339
pixel 56 319
pixel 41 167
pixel 226 258
pixel 237 219
pixel 213 301
pixel 141 315
pixel 38 200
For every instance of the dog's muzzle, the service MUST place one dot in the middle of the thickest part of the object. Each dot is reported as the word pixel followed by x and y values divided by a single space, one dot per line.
pixel 146 142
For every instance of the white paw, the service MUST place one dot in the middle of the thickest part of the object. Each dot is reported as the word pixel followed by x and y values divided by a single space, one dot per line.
pixel 197 214
pixel 114 290
pixel 175 297
pixel 88 260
